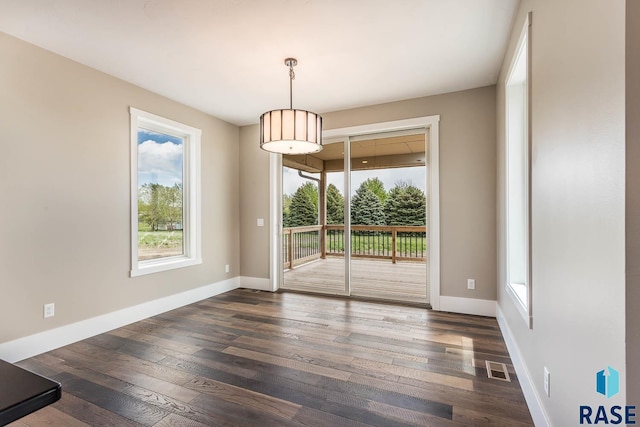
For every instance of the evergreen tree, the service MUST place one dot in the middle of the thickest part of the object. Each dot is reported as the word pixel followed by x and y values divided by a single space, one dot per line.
pixel 311 188
pixel 377 187
pixel 286 210
pixel 366 208
pixel 303 210
pixel 406 205
pixel 335 205
pixel 392 212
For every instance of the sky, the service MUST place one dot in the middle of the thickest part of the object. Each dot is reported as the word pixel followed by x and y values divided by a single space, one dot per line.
pixel 415 176
pixel 160 161
pixel 159 158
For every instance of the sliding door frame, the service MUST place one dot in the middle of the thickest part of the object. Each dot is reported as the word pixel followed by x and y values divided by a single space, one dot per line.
pixel 430 125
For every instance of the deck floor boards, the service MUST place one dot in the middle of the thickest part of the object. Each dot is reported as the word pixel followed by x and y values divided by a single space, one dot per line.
pixel 381 279
pixel 247 358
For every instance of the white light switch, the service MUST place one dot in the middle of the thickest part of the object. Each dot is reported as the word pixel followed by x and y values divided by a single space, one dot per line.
pixel 260 222
pixel 547 378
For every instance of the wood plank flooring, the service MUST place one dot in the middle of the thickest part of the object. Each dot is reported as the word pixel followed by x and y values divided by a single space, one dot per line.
pixel 403 281
pixel 250 358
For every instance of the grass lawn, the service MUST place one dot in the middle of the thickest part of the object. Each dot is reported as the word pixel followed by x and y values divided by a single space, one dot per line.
pixel 371 244
pixel 159 244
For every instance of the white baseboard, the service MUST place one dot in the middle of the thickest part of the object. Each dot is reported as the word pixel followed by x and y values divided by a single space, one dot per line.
pixel 42 342
pixel 480 307
pixel 540 418
pixel 257 283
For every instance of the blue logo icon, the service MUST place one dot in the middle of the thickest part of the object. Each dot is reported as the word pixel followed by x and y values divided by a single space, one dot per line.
pixel 608 383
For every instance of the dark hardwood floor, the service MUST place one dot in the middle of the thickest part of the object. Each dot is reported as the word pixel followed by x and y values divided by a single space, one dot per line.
pixel 249 358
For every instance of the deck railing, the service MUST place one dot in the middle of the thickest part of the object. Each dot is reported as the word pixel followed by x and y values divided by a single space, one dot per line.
pixel 301 245
pixel 397 243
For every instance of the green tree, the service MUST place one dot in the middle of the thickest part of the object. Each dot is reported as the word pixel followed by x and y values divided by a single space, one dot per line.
pixel 311 188
pixel 160 205
pixel 377 187
pixel 303 209
pixel 366 208
pixel 149 209
pixel 406 205
pixel 286 210
pixel 335 205
pixel 171 200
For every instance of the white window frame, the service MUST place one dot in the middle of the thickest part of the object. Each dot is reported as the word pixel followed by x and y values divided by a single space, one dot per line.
pixel 192 242
pixel 519 81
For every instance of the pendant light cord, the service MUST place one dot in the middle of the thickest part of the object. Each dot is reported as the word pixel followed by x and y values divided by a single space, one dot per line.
pixel 292 76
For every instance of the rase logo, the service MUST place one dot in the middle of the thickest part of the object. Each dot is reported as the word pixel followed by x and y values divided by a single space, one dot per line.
pixel 608 384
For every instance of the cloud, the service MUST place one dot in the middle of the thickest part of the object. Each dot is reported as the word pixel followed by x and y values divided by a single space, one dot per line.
pixel 159 163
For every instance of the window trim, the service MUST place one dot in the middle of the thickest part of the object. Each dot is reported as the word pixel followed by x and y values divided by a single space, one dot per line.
pixel 192 241
pixel 523 47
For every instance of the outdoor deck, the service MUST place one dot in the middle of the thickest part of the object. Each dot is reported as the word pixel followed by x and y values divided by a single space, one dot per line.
pixel 403 281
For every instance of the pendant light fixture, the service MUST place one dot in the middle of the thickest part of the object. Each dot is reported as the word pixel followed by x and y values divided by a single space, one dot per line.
pixel 291 131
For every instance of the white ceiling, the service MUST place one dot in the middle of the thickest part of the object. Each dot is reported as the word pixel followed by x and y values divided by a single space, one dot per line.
pixel 225 57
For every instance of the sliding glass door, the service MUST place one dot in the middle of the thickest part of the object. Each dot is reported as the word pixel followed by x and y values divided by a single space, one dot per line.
pixel 313 221
pixel 388 217
pixel 358 227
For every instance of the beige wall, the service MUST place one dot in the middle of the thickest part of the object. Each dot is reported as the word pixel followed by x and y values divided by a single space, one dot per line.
pixel 633 199
pixel 254 204
pixel 577 201
pixel 64 181
pixel 467 185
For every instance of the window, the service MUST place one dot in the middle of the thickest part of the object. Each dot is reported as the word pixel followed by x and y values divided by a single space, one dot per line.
pixel 165 194
pixel 518 171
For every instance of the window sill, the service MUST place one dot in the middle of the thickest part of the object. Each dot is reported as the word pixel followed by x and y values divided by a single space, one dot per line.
pixel 157 266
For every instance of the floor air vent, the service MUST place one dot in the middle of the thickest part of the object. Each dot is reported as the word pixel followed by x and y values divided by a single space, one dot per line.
pixel 497 371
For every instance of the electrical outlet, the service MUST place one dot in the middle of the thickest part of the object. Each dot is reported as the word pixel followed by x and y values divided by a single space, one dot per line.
pixel 471 283
pixel 260 222
pixel 49 310
pixel 226 268
pixel 546 381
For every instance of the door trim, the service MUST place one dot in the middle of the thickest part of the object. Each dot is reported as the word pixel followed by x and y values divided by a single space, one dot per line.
pixel 276 275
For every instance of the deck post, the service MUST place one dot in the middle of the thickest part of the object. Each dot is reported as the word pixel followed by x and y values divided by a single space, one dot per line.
pixel 394 234
pixel 322 195
pixel 291 249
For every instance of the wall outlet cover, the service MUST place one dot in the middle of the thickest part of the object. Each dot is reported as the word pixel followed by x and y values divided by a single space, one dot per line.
pixel 49 310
